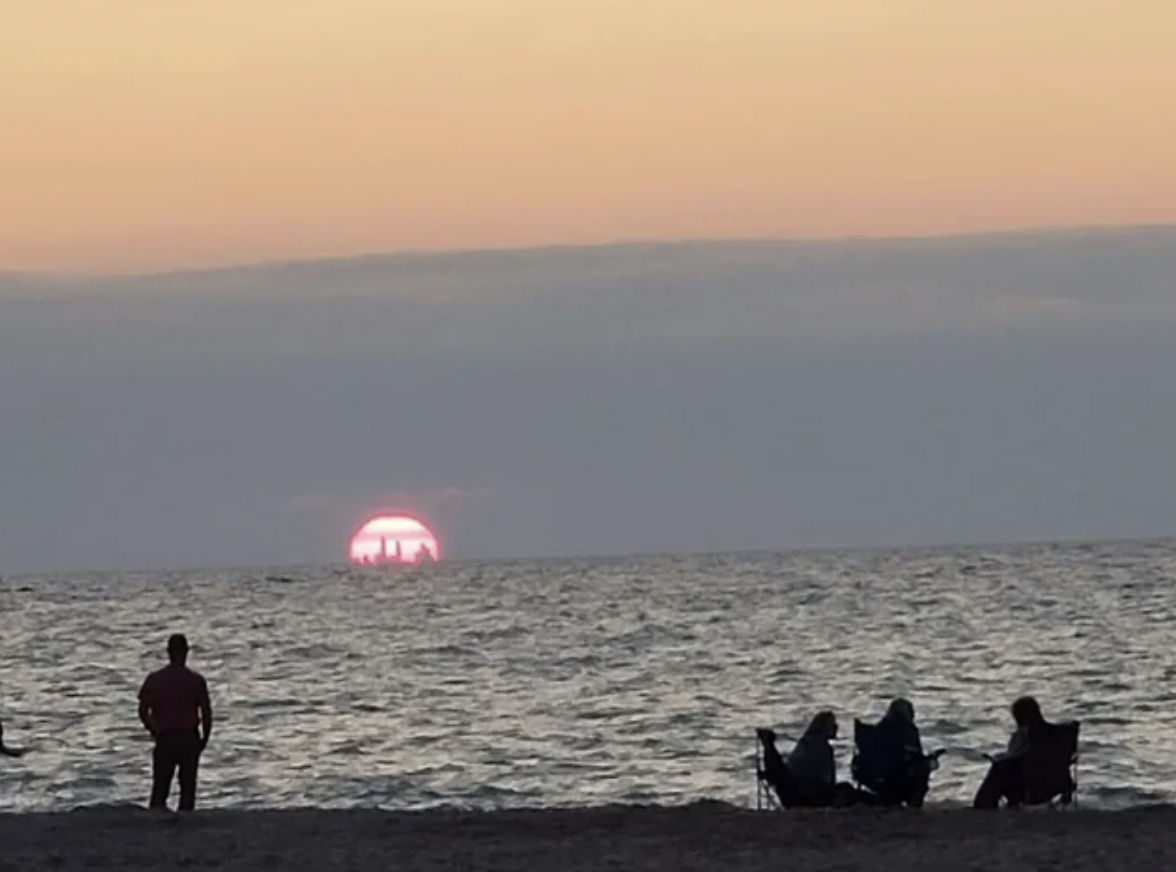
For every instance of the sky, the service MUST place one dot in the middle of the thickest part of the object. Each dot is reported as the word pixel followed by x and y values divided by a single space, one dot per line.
pixel 155 135
pixel 602 400
pixel 582 276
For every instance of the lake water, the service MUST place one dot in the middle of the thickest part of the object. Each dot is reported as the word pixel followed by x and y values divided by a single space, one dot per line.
pixel 568 682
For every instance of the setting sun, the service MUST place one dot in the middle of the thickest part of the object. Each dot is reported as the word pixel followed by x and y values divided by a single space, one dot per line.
pixel 394 539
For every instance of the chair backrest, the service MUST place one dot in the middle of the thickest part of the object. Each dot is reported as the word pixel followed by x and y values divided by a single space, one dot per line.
pixel 774 771
pixel 879 754
pixel 873 758
pixel 773 765
pixel 1053 751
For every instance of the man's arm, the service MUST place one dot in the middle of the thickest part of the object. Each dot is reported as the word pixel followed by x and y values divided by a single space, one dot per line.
pixel 205 713
pixel 1018 742
pixel 145 710
pixel 1018 745
pixel 5 750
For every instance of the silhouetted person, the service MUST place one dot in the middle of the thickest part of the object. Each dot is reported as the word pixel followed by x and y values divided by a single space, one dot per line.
pixel 899 721
pixel 175 708
pixel 1006 778
pixel 814 769
pixel 909 777
pixel 5 750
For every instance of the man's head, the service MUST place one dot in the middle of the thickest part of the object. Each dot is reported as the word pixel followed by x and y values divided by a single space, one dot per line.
pixel 823 725
pixel 1027 712
pixel 177 649
pixel 901 709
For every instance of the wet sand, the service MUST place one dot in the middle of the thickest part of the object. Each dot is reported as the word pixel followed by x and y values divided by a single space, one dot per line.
pixel 704 836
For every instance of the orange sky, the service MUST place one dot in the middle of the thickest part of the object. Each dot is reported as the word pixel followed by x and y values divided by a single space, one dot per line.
pixel 145 134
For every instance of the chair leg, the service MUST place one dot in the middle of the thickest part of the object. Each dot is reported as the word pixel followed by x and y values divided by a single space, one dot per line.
pixel 759 781
pixel 765 796
pixel 771 801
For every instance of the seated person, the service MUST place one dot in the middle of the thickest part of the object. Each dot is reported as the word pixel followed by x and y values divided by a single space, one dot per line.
pixel 814 770
pixel 1013 776
pixel 893 765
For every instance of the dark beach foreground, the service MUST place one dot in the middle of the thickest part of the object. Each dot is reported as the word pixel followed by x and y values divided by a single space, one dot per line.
pixel 703 836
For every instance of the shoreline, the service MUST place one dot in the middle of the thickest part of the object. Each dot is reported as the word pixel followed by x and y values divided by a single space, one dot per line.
pixel 704 835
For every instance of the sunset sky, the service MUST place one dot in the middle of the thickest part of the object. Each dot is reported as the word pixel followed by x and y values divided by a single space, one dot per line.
pixel 152 134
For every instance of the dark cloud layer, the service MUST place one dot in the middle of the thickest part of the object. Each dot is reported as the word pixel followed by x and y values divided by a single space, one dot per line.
pixel 649 397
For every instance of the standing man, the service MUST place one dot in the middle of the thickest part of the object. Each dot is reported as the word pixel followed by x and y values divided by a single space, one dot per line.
pixel 175 708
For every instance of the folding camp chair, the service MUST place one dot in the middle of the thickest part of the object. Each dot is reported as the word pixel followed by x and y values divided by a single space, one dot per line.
pixel 1048 769
pixel 1051 766
pixel 774 785
pixel 886 769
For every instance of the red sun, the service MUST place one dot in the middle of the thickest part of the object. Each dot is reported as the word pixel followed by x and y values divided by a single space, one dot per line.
pixel 393 540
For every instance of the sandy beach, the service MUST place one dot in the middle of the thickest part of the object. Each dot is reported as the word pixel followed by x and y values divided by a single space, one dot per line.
pixel 703 836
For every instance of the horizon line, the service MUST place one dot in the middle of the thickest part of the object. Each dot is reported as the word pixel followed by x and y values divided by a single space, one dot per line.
pixel 1033 230
pixel 863 547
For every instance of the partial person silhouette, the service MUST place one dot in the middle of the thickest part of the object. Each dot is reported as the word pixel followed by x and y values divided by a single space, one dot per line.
pixel 6 750
pixel 814 768
pixel 176 709
pixel 890 761
pixel 1035 765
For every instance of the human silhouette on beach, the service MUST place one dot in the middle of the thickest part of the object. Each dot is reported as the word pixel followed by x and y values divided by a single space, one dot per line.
pixel 889 759
pixel 175 707
pixel 814 769
pixel 1035 768
pixel 4 749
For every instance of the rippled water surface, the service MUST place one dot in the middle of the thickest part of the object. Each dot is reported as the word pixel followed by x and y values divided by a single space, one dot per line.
pixel 573 682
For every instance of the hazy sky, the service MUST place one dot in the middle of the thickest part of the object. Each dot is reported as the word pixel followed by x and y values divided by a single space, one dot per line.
pixel 153 133
pixel 643 398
